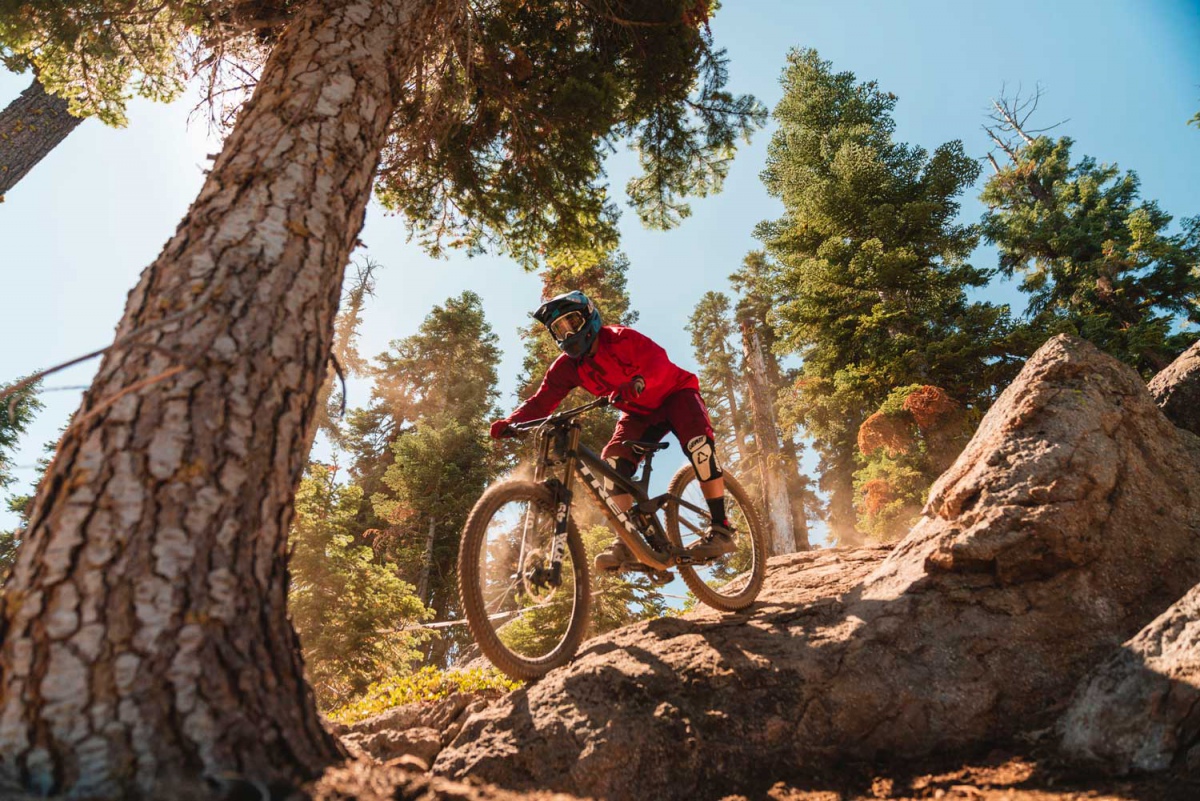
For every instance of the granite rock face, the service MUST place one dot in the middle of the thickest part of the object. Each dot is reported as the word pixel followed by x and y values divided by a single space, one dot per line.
pixel 1177 390
pixel 1070 521
pixel 1140 710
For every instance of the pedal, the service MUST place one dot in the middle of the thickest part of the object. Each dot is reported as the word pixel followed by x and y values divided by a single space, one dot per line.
pixel 660 577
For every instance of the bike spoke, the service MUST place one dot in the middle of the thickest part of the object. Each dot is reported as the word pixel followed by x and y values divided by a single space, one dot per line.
pixel 529 615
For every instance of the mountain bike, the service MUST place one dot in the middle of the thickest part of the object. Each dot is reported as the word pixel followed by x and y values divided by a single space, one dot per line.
pixel 523 572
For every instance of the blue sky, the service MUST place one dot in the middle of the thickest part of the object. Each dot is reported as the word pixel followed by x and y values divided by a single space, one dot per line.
pixel 75 234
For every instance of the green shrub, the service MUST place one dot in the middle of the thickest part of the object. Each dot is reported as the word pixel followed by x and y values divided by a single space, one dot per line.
pixel 426 684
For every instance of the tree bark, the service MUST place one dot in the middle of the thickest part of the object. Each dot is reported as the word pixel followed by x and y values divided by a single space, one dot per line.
pixel 838 482
pixel 739 436
pixel 146 642
pixel 426 565
pixel 779 513
pixel 795 490
pixel 30 127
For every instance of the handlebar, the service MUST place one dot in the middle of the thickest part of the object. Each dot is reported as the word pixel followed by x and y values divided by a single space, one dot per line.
pixel 560 417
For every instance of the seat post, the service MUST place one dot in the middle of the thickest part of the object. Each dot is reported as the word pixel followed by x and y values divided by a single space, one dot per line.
pixel 646 470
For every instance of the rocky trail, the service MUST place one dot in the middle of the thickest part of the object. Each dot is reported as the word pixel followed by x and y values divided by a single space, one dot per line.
pixel 1035 636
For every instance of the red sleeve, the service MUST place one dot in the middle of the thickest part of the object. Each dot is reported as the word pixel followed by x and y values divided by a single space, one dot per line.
pixel 561 378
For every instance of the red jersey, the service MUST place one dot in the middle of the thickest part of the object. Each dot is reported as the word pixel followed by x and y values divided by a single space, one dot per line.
pixel 621 353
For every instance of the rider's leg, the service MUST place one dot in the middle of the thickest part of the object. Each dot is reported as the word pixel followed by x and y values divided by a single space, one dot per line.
pixel 702 451
pixel 689 419
pixel 624 462
pixel 625 468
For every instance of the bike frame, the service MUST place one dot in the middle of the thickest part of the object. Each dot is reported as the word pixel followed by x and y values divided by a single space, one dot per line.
pixel 560 447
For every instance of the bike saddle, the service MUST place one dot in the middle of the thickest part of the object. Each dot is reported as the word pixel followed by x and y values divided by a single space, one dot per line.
pixel 642 448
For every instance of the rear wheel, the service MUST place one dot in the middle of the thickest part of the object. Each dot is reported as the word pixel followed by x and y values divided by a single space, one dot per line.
pixel 523 621
pixel 733 581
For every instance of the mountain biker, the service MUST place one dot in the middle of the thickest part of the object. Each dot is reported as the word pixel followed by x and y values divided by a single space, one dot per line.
pixel 654 395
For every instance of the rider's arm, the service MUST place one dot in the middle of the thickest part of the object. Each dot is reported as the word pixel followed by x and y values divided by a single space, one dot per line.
pixel 561 378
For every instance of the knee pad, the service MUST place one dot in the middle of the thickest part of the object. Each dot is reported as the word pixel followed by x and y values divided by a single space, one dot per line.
pixel 703 453
pixel 624 468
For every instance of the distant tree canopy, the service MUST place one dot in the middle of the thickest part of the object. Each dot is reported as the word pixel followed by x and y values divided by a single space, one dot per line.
pixel 712 328
pixel 100 53
pixel 357 618
pixel 16 413
pixel 872 271
pixel 1096 259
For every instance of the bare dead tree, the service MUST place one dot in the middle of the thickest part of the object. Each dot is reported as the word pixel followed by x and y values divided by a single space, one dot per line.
pixel 1010 131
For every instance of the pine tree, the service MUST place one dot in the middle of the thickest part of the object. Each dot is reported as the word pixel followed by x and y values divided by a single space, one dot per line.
pixel 872 267
pixel 16 413
pixel 30 127
pixel 445 370
pixel 357 619
pixel 766 380
pixel 711 327
pixel 421 453
pixel 223 349
pixel 349 362
pixel 1096 259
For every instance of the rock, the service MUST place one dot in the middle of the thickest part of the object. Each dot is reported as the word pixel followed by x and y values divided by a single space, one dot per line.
pixel 1070 521
pixel 1176 390
pixel 418 730
pixel 364 780
pixel 421 742
pixel 1140 710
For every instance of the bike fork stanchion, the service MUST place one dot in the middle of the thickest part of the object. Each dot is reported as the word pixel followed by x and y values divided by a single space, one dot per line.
pixel 562 506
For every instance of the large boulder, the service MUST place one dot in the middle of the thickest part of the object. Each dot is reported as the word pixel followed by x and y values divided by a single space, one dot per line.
pixel 1177 390
pixel 1069 522
pixel 1140 710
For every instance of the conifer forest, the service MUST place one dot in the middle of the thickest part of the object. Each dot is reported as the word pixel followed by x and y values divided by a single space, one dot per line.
pixel 912 296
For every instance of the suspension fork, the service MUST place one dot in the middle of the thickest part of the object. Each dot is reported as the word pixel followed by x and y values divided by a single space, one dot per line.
pixel 561 490
pixel 563 493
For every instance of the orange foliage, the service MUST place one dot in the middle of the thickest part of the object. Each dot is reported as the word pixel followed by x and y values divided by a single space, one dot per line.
pixel 929 406
pixel 877 493
pixel 885 431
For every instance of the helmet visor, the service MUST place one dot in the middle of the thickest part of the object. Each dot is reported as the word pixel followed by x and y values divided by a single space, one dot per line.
pixel 570 323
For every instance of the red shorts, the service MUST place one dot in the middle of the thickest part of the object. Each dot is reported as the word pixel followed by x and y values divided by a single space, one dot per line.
pixel 682 412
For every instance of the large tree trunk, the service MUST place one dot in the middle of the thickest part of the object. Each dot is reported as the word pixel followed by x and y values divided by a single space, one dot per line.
pixel 735 425
pixel 30 127
pixel 795 491
pixel 426 564
pixel 779 513
pixel 146 637
pixel 837 480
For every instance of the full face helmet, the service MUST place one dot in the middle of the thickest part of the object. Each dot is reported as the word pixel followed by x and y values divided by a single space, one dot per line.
pixel 573 320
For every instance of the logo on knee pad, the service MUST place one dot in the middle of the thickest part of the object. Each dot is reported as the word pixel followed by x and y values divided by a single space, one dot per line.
pixel 704 458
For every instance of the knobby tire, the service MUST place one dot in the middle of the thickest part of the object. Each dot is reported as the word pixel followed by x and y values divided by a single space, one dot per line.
pixel 471 593
pixel 758 542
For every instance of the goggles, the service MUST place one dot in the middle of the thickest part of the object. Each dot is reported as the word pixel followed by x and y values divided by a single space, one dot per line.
pixel 568 324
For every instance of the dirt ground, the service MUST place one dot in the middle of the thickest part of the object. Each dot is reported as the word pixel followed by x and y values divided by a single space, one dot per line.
pixel 999 777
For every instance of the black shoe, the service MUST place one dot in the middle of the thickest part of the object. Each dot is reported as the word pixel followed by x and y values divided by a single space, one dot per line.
pixel 717 542
pixel 614 557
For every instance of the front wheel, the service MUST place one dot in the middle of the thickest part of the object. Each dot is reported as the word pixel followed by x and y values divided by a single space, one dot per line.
pixel 731 582
pixel 526 620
